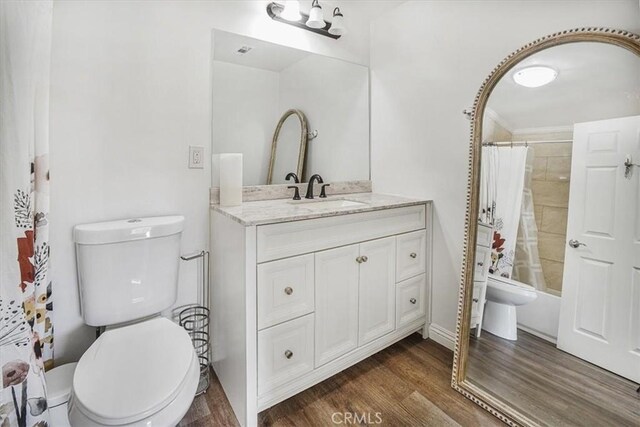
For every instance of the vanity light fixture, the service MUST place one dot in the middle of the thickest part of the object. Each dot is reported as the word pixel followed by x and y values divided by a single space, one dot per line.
pixel 289 13
pixel 535 76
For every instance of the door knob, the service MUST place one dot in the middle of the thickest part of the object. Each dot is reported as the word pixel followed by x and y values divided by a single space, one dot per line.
pixel 288 290
pixel 576 244
pixel 413 254
pixel 413 301
pixel 288 354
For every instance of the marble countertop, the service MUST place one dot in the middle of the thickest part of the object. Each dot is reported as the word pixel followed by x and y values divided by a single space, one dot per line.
pixel 285 210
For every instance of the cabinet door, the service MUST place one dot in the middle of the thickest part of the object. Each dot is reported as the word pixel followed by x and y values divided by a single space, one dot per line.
pixel 336 273
pixel 377 306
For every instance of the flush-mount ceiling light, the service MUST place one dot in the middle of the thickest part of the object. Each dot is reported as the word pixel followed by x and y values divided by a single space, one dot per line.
pixel 337 25
pixel 316 20
pixel 291 10
pixel 289 13
pixel 535 76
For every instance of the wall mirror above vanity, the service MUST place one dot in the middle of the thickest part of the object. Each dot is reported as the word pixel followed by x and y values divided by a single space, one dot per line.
pixel 288 110
pixel 549 311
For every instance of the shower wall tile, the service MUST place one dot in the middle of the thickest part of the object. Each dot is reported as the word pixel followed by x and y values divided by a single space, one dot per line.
pixel 552 150
pixel 558 168
pixel 553 220
pixel 550 188
pixel 553 272
pixel 539 168
pixel 551 193
pixel 551 246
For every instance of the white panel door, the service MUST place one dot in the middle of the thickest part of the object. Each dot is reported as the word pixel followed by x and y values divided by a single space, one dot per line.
pixel 336 272
pixel 600 307
pixel 377 305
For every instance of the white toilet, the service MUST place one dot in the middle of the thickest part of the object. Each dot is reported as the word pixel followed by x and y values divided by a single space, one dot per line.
pixel 143 370
pixel 503 295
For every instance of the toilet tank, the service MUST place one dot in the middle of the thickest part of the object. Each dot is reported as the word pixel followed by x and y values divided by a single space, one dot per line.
pixel 127 269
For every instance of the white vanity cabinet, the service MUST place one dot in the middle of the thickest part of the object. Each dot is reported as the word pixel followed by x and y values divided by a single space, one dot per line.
pixel 481 271
pixel 296 302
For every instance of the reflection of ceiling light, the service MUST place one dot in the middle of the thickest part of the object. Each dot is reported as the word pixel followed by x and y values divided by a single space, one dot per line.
pixel 535 76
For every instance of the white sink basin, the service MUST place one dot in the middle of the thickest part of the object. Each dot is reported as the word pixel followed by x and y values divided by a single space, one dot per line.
pixel 327 204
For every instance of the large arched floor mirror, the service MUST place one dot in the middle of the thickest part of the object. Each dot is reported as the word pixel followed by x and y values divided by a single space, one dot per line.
pixel 548 326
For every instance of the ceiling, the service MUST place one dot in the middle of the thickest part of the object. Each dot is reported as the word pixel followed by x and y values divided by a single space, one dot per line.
pixel 595 81
pixel 264 55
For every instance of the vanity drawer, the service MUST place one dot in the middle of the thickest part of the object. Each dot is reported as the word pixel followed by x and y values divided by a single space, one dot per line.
pixel 475 301
pixel 275 241
pixel 483 261
pixel 410 300
pixel 410 255
pixel 484 235
pixel 285 290
pixel 285 352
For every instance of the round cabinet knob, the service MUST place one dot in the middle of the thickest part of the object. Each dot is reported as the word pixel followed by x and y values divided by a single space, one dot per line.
pixel 476 300
pixel 288 290
pixel 413 300
pixel 359 260
pixel 364 259
pixel 288 354
pixel 413 255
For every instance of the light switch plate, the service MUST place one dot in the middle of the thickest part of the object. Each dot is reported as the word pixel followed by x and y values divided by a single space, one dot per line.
pixel 196 157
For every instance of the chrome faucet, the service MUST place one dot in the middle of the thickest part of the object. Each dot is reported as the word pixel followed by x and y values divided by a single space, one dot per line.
pixel 313 178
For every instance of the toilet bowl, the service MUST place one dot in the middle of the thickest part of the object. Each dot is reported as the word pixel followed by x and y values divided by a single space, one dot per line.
pixel 143 370
pixel 151 364
pixel 503 295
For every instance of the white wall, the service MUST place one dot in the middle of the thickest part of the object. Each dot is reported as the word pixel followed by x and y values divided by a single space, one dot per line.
pixel 244 115
pixel 130 91
pixel 428 60
pixel 334 96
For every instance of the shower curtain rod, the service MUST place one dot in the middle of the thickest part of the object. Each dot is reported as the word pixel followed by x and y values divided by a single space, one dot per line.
pixel 523 143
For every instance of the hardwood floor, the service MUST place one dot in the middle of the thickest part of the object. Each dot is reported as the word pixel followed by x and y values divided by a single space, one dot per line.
pixel 551 386
pixel 407 384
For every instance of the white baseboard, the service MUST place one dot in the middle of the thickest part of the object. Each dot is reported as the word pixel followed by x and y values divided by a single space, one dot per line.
pixel 538 334
pixel 442 336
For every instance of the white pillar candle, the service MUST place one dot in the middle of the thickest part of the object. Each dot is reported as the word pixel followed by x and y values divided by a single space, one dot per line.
pixel 230 179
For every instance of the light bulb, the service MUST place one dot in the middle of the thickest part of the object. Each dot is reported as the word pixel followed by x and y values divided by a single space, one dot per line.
pixel 337 24
pixel 316 20
pixel 291 10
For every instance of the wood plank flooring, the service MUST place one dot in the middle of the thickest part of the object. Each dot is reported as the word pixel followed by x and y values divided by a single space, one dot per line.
pixel 407 384
pixel 551 386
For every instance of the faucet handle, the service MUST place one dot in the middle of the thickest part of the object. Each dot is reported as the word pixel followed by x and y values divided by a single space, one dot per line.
pixel 322 190
pixel 296 195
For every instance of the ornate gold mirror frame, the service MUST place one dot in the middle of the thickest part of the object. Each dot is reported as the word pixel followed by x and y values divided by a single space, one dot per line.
pixel 497 407
pixel 304 134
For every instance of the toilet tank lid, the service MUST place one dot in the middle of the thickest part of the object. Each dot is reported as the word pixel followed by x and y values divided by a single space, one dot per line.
pixel 127 229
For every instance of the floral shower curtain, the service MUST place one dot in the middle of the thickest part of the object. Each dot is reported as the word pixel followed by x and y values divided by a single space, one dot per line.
pixel 502 181
pixel 26 332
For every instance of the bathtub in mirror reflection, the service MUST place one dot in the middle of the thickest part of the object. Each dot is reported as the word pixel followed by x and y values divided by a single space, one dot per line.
pixel 256 82
pixel 555 305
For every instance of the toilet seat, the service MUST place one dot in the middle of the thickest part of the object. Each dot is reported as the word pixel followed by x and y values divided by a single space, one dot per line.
pixel 132 372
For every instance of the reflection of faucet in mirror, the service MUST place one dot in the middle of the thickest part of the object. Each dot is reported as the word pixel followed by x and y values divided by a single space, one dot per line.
pixel 316 178
pixel 296 180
